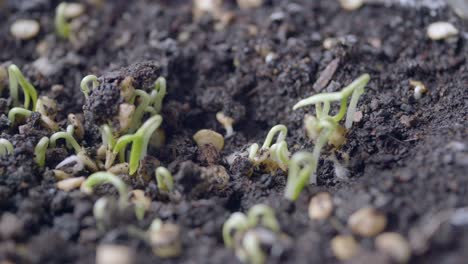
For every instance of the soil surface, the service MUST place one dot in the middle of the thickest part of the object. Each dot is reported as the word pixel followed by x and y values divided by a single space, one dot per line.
pixel 408 158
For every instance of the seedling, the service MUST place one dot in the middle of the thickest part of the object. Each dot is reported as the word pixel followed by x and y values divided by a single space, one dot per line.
pixel 301 167
pixel 40 151
pixel 108 141
pixel 157 95
pixel 277 152
pixel 140 109
pixel 6 148
pixel 85 84
pixel 68 136
pixel 243 229
pixel 139 141
pixel 30 93
pixel 18 111
pixel 164 179
pixel 62 27
pixel 101 177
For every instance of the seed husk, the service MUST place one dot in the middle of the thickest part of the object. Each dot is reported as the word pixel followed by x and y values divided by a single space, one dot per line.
pixel 344 247
pixel 395 245
pixel 367 222
pixel 208 136
pixel 70 183
pixel 25 29
pixel 320 206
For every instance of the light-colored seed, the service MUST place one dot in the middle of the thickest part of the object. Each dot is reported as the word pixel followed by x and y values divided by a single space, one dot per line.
pixel 61 175
pixel 121 168
pixel 79 129
pixel 320 206
pixel 138 197
pixel 73 10
pixel 25 29
pixel 126 89
pixel 227 123
pixel 344 247
pixel 395 245
pixel 113 254
pixel 125 116
pixel 201 7
pixel 165 241
pixel 351 5
pixel 367 222
pixel 441 30
pixel 208 136
pixel 419 89
pixel 70 183
pixel 247 4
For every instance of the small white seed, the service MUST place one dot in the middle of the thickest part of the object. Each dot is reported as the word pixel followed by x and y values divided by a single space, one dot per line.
pixel 344 247
pixel 419 89
pixel 395 245
pixel 61 175
pixel 208 136
pixel 25 29
pixel 320 206
pixel 351 5
pixel 113 254
pixel 247 4
pixel 73 10
pixel 367 222
pixel 125 116
pixel 70 183
pixel 441 30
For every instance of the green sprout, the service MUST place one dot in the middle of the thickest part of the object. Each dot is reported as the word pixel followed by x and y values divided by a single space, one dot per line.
pixel 140 109
pixel 40 151
pixel 30 93
pixel 108 141
pixel 6 148
pixel 139 140
pixel 101 177
pixel 84 85
pixel 68 136
pixel 62 27
pixel 15 111
pixel 277 152
pixel 301 168
pixel 157 95
pixel 240 227
pixel 164 179
pixel 99 211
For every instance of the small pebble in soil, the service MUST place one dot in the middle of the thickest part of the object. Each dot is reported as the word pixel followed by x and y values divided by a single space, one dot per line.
pixel 351 5
pixel 25 29
pixel 394 245
pixel 367 222
pixel 70 183
pixel 441 30
pixel 344 247
pixel 320 206
pixel 113 254
pixel 208 136
pixel 247 4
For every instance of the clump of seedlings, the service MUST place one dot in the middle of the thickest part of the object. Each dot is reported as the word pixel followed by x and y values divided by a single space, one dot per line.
pixel 322 129
pixel 272 156
pixel 250 235
pixel 139 140
pixel 6 148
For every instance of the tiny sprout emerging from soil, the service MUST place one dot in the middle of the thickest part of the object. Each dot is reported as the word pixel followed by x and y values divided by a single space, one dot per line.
pixel 140 109
pixel 165 239
pixel 6 148
pixel 99 211
pixel 30 93
pixel 164 179
pixel 40 151
pixel 84 85
pixel 227 123
pixel 263 215
pixel 62 27
pixel 141 203
pixel 108 141
pixel 68 136
pixel 301 167
pixel 157 95
pixel 18 111
pixel 278 152
pixel 139 140
pixel 237 222
pixel 101 177
pixel 419 89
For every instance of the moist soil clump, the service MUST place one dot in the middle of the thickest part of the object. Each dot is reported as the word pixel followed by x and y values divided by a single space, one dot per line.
pixel 406 157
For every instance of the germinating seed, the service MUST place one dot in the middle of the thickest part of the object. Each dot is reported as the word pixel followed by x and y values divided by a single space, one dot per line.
pixel 70 183
pixel 25 29
pixel 395 245
pixel 344 247
pixel 441 30
pixel 208 136
pixel 367 222
pixel 73 10
pixel 351 5
pixel 320 206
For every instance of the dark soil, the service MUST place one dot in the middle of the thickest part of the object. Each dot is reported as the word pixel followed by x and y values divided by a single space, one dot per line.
pixel 408 158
